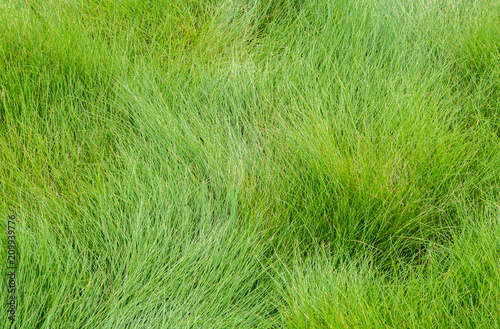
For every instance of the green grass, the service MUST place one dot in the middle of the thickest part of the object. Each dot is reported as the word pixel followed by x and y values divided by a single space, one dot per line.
pixel 251 163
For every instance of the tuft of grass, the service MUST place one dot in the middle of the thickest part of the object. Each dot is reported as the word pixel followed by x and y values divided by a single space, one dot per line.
pixel 456 289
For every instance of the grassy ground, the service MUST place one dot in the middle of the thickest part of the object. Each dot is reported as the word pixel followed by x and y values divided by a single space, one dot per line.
pixel 251 163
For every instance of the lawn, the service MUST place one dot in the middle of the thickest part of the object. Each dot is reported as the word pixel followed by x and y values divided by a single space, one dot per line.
pixel 250 164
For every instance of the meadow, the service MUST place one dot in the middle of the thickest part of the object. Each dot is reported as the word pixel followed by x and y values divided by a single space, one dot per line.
pixel 251 163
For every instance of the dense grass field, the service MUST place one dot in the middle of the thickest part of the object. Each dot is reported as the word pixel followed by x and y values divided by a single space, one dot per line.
pixel 250 163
